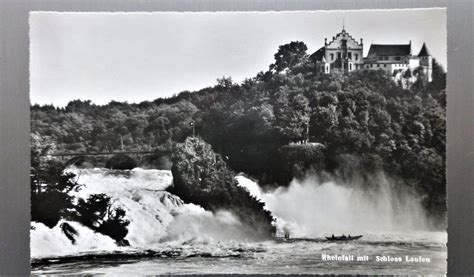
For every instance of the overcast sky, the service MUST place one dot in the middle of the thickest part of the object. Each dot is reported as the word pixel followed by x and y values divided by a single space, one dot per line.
pixel 143 56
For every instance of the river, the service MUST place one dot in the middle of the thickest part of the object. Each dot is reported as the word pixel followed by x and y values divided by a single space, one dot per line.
pixel 168 236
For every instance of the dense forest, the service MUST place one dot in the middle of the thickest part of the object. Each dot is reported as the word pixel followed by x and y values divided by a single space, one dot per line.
pixel 279 124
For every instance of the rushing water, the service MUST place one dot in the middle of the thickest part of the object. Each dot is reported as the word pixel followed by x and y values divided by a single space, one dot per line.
pixel 168 236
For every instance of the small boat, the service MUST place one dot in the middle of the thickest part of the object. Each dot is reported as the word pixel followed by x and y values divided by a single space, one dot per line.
pixel 343 238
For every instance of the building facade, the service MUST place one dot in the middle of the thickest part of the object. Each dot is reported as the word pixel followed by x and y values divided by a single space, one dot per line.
pixel 343 53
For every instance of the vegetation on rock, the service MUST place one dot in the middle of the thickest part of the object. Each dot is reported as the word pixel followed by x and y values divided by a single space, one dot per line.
pixel 97 213
pixel 201 176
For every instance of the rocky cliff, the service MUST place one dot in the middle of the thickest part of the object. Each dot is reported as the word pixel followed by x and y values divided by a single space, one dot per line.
pixel 201 176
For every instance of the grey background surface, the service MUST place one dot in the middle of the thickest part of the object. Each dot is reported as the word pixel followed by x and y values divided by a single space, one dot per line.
pixel 14 109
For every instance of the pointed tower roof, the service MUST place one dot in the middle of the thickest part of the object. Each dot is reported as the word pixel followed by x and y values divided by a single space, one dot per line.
pixel 424 51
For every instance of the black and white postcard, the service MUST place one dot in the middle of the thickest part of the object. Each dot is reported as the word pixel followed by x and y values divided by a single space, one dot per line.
pixel 299 142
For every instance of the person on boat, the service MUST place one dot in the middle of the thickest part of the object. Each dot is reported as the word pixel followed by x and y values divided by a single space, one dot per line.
pixel 349 236
pixel 332 236
pixel 343 236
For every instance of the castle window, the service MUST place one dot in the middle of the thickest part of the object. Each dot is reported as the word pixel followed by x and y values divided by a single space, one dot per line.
pixel 350 55
pixel 378 65
pixel 350 66
pixel 371 65
pixel 379 58
pixel 332 57
pixel 385 65
pixel 386 58
pixel 356 56
pixel 338 55
pixel 398 58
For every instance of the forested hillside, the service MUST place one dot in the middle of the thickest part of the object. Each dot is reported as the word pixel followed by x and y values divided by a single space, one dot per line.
pixel 360 121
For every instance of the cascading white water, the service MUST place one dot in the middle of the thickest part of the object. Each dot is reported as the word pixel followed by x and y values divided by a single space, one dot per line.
pixel 45 242
pixel 156 217
pixel 161 222
pixel 314 208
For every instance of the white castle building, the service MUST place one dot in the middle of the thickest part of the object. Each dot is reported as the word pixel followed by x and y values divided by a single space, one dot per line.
pixel 344 53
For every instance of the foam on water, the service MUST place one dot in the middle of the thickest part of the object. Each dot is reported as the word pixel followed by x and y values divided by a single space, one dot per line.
pixel 47 242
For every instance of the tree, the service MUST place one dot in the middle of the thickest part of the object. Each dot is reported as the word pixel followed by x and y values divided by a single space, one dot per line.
pixel 438 77
pixel 98 214
pixel 292 113
pixel 80 106
pixel 50 187
pixel 289 55
pixel 224 82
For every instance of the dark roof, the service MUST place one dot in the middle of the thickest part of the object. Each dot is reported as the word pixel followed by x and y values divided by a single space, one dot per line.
pixel 424 51
pixel 389 50
pixel 318 55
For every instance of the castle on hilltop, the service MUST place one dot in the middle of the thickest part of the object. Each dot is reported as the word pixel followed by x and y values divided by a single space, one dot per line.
pixel 344 53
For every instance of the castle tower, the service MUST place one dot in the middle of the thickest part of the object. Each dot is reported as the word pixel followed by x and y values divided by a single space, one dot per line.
pixel 426 61
pixel 343 52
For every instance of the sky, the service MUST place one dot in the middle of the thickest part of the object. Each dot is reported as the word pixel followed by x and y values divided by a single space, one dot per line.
pixel 138 57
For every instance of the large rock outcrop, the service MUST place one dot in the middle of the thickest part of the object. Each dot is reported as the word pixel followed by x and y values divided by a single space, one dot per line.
pixel 201 176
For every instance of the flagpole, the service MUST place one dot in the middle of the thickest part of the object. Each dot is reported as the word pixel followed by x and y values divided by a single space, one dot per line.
pixel 192 125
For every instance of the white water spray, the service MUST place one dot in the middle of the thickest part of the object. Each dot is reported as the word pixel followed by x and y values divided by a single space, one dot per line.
pixel 159 220
pixel 312 208
pixel 156 217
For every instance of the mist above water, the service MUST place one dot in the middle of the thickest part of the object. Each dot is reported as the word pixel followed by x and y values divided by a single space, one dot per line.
pixel 312 207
